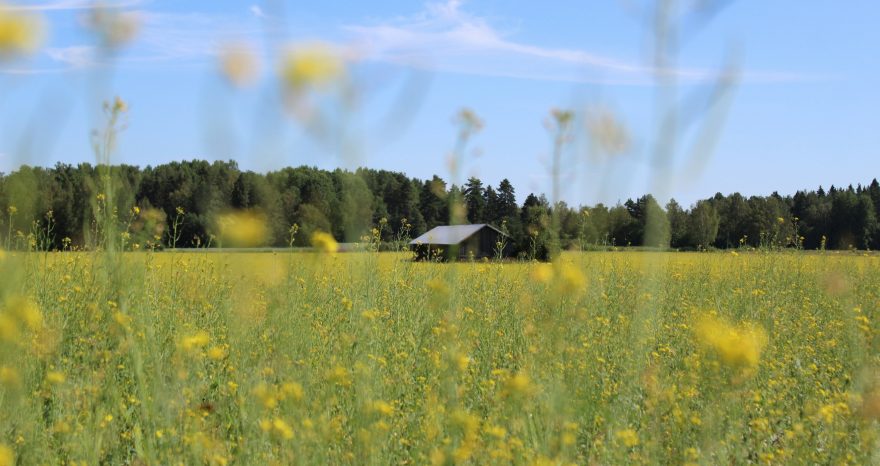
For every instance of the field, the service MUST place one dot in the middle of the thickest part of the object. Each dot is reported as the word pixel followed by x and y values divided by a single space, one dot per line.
pixel 368 358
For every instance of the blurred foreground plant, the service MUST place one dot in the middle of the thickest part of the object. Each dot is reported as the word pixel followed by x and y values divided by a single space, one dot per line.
pixel 20 33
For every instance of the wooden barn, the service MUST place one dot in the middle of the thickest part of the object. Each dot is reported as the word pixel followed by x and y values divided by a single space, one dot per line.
pixel 454 242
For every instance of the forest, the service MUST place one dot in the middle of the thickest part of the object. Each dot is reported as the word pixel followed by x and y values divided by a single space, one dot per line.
pixel 174 204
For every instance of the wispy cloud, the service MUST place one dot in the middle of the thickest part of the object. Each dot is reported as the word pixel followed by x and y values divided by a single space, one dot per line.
pixel 445 37
pixel 257 11
pixel 57 5
pixel 163 38
pixel 77 56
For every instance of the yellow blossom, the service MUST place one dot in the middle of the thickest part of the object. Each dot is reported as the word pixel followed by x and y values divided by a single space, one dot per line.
pixel 9 377
pixel 242 229
pixel 7 456
pixel 61 427
pixel 282 428
pixel 607 133
pixel 339 375
pixel 466 421
pixel 628 437
pixel 55 377
pixel 8 327
pixel 437 457
pixel 114 28
pixel 311 66
pixel 462 362
pixel 518 384
pixel 736 346
pixel 197 340
pixel 292 390
pixel 265 425
pixel 324 242
pixel 495 431
pixel 239 64
pixel 26 311
pixel 760 424
pixel 267 395
pixel 542 273
pixel 118 105
pixel 828 412
pixel 570 280
pixel 19 34
pixel 216 353
pixel 122 319
pixel 463 452
pixel 382 407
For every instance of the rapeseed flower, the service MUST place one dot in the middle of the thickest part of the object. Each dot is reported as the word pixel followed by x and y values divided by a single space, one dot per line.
pixel 7 456
pixel 114 28
pixel 518 384
pixel 20 34
pixel 242 229
pixel 292 390
pixel 324 242
pixel 26 311
pixel 607 134
pixel 497 432
pixel 736 346
pixel 17 312
pixel 9 377
pixel 628 437
pixel 55 377
pixel 462 361
pixel 8 327
pixel 282 428
pixel 216 353
pixel 195 341
pixel 571 279
pixel 542 273
pixel 267 395
pixel 467 422
pixel 382 407
pixel 340 376
pixel 312 66
pixel 239 65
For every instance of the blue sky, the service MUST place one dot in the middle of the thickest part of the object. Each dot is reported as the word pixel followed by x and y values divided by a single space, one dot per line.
pixel 802 110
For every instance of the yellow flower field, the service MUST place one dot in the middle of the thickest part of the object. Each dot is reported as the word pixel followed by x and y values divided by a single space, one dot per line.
pixel 368 358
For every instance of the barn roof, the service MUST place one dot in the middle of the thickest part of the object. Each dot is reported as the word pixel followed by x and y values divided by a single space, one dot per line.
pixel 451 234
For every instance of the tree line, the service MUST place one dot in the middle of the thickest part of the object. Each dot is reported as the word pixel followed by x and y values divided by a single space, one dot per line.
pixel 173 205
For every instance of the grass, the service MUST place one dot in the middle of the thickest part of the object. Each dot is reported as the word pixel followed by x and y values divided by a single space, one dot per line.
pixel 366 358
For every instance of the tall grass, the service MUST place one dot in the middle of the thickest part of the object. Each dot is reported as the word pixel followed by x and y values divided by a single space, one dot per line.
pixel 367 358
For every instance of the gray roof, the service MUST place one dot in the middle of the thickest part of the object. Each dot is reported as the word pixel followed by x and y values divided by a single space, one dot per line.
pixel 451 234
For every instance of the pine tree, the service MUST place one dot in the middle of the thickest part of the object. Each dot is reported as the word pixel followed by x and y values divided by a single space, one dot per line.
pixel 474 200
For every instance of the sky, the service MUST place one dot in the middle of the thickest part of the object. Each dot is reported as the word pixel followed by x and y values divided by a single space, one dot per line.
pixel 764 96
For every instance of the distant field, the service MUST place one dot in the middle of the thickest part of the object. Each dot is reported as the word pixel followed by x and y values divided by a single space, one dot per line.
pixel 366 358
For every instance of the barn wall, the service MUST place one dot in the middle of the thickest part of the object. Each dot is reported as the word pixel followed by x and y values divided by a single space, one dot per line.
pixel 479 245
